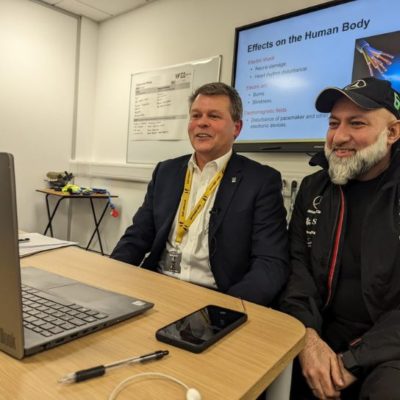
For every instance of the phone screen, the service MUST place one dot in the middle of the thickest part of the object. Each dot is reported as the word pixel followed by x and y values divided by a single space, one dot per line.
pixel 197 331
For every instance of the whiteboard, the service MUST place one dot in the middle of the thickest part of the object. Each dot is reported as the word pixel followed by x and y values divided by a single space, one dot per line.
pixel 155 133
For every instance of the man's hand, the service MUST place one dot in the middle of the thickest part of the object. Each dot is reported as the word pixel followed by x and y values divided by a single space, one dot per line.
pixel 321 368
pixel 376 59
pixel 348 377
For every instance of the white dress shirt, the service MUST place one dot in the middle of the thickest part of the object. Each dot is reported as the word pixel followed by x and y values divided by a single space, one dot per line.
pixel 195 262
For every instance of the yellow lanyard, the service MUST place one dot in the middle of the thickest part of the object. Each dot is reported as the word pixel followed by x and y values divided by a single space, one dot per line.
pixel 183 222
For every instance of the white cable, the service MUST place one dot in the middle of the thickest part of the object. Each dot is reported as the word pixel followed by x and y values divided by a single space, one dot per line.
pixel 121 386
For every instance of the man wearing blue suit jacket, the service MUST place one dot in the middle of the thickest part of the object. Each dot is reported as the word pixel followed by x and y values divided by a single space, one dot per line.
pixel 214 218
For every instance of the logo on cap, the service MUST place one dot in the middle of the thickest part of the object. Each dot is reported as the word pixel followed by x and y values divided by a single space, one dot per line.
pixel 396 102
pixel 356 85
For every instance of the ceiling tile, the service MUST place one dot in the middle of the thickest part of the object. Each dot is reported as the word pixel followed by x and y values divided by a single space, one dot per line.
pixel 52 2
pixel 98 10
pixel 80 8
pixel 114 7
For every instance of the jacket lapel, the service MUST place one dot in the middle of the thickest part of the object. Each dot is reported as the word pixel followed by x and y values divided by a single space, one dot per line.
pixel 228 186
pixel 176 184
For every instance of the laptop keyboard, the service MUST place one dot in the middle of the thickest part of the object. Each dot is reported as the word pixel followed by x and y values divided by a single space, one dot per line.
pixel 50 315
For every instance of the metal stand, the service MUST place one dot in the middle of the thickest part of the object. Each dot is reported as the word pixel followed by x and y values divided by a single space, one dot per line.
pixel 62 196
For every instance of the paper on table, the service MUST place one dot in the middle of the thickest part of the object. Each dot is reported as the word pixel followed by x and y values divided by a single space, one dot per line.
pixel 38 243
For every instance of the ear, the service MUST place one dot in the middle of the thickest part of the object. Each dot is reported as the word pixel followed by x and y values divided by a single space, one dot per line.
pixel 238 128
pixel 394 132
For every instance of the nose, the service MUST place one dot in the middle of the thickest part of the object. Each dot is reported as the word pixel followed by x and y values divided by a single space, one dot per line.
pixel 203 121
pixel 340 135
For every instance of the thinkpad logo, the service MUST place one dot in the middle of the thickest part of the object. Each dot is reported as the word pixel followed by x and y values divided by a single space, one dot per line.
pixel 7 338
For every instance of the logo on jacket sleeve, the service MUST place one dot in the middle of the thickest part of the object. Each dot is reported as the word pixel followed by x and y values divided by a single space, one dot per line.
pixel 312 215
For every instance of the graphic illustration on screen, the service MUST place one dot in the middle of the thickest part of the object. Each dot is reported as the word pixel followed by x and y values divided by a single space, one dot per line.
pixel 378 56
pixel 281 64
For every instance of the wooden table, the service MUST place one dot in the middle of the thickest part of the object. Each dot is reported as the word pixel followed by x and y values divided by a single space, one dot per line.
pixel 240 366
pixel 66 195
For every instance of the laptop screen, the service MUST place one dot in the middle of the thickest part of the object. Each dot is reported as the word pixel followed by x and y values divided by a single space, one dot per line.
pixel 68 308
pixel 11 325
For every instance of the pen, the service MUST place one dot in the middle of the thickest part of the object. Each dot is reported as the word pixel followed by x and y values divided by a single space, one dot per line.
pixel 100 370
pixel 24 240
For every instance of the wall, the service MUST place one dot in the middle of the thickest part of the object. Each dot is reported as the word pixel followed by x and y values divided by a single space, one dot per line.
pixel 37 81
pixel 65 85
pixel 163 33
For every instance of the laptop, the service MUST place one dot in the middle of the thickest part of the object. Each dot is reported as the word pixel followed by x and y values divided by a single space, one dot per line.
pixel 54 309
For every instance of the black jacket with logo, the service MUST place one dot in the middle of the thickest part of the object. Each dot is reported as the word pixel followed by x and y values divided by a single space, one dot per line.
pixel 316 240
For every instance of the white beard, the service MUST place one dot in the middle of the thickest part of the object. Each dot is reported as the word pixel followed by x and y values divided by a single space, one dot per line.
pixel 343 169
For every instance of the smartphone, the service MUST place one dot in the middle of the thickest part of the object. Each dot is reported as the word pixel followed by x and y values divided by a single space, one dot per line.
pixel 199 330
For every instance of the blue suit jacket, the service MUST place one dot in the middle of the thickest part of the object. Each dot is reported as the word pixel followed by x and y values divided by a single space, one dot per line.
pixel 247 232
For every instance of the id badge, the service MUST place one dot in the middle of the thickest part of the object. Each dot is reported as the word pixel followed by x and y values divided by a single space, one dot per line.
pixel 173 261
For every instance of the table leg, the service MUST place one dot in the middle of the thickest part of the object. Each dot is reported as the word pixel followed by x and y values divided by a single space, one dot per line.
pixel 97 224
pixel 51 215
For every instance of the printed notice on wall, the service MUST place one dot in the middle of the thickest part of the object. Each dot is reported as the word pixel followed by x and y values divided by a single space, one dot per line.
pixel 159 104
pixel 159 108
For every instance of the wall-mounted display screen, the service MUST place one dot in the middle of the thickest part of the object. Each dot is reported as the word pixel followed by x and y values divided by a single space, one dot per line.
pixel 282 64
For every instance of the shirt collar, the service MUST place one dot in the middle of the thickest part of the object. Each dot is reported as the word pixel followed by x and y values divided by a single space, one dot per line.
pixel 218 163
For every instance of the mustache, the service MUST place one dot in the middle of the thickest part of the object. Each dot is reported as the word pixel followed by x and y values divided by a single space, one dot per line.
pixel 340 147
pixel 330 151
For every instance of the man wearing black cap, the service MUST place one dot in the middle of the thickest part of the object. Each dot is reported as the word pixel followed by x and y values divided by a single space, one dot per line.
pixel 345 250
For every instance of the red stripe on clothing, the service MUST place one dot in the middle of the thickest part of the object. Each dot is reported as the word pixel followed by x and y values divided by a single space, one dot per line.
pixel 335 248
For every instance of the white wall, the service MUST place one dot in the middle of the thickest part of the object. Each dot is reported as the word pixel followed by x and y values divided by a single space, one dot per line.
pixel 86 90
pixel 37 74
pixel 163 33
pixel 65 94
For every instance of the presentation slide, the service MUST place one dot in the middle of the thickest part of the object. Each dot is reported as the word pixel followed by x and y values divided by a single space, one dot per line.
pixel 282 66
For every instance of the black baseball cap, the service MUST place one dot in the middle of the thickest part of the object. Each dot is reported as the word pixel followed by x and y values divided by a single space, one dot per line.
pixel 368 93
